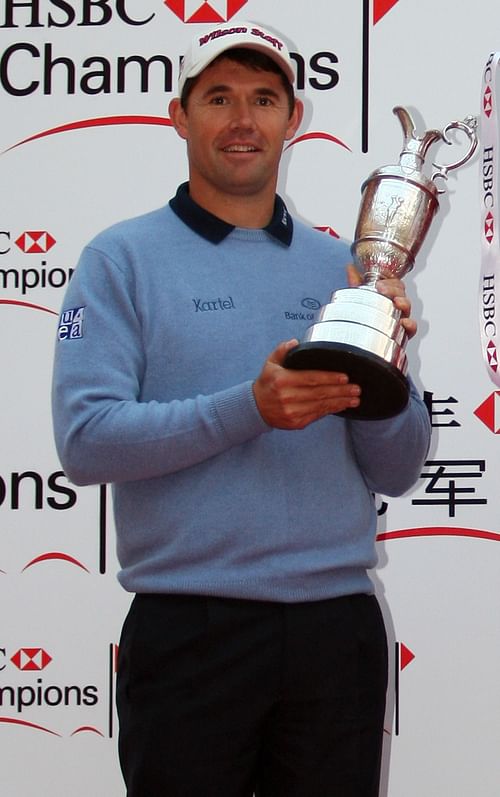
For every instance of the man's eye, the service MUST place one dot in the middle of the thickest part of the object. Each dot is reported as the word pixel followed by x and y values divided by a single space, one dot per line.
pixel 218 100
pixel 264 101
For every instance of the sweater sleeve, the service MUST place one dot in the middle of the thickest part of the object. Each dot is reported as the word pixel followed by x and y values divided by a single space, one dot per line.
pixel 391 452
pixel 104 430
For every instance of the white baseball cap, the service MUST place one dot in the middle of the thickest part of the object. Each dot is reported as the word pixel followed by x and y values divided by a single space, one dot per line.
pixel 205 47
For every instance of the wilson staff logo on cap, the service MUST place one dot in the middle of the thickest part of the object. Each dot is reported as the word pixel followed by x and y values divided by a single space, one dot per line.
pixel 206 47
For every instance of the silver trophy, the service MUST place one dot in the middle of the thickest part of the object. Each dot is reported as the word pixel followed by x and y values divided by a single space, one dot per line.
pixel 359 331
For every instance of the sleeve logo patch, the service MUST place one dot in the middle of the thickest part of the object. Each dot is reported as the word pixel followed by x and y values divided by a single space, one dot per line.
pixel 71 324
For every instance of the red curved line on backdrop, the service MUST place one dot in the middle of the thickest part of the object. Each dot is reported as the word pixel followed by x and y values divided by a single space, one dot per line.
pixel 84 728
pixel 317 135
pixel 101 121
pixel 28 725
pixel 28 304
pixel 440 531
pixel 55 555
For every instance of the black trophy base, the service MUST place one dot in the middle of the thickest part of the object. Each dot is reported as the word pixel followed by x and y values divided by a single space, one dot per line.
pixel 384 389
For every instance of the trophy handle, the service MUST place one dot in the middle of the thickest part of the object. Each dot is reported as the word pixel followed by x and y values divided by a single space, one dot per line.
pixel 467 126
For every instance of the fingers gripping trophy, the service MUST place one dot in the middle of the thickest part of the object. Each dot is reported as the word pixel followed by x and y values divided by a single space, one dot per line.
pixel 359 331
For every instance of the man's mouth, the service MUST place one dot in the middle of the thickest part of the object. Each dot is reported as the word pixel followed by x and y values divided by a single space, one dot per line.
pixel 240 148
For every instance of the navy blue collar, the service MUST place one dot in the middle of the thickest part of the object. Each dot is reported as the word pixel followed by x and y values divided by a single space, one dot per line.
pixel 215 230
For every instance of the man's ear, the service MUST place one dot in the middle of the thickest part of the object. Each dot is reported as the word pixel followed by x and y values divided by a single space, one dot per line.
pixel 295 119
pixel 178 117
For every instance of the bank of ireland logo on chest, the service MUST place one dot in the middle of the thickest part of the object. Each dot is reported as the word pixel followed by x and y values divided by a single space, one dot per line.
pixel 213 11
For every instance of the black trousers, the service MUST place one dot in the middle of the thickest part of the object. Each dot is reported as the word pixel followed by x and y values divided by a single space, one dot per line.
pixel 227 698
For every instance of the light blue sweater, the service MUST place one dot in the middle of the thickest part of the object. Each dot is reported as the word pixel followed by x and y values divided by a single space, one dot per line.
pixel 161 337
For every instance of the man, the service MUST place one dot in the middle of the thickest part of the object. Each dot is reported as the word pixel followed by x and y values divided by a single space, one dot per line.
pixel 253 658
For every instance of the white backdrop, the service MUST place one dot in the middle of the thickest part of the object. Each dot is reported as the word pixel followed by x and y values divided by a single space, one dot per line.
pixel 84 142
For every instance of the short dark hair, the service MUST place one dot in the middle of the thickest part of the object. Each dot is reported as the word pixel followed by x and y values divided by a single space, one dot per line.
pixel 253 59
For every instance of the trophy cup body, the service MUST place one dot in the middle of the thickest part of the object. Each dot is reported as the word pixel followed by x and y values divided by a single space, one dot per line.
pixel 359 332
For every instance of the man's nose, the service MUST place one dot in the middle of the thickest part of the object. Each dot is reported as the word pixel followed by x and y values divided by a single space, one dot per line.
pixel 243 116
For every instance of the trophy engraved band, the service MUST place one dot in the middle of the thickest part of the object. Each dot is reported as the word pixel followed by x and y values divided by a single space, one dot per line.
pixel 359 331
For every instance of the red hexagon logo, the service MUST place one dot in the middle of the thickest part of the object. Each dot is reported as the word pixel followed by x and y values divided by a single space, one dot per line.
pixel 489 227
pixel 492 356
pixel 488 101
pixel 381 8
pixel 31 659
pixel 489 412
pixel 213 11
pixel 35 242
pixel 328 230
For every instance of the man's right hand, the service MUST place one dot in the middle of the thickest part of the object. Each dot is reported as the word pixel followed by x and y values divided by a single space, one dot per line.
pixel 289 399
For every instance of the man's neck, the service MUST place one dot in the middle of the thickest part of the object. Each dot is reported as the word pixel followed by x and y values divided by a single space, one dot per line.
pixel 254 212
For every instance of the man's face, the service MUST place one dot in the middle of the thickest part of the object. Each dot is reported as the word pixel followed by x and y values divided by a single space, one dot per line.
pixel 235 124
